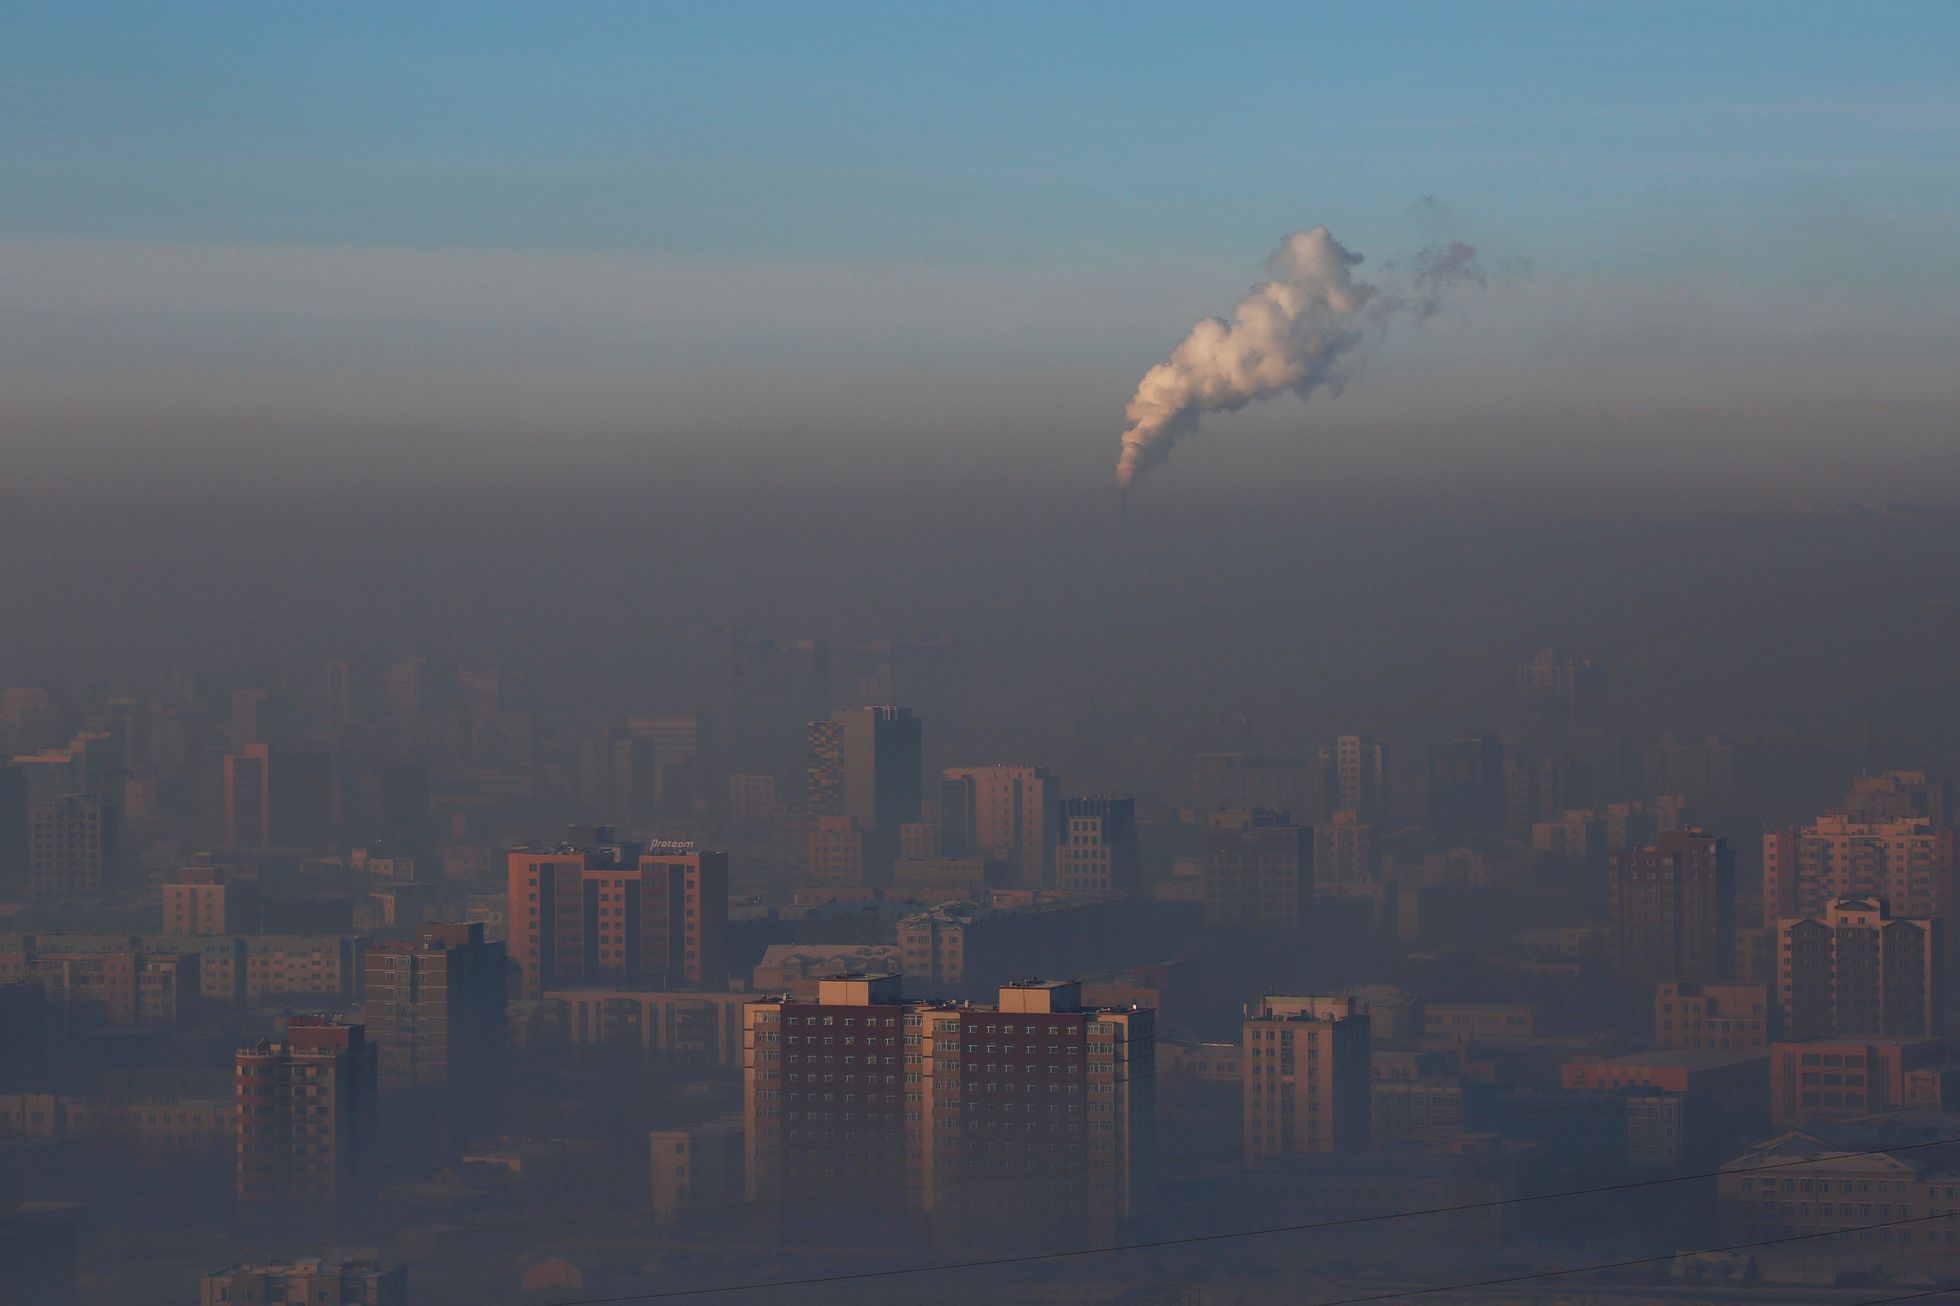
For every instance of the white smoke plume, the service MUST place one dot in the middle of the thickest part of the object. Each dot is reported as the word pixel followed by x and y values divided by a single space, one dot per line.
pixel 1289 333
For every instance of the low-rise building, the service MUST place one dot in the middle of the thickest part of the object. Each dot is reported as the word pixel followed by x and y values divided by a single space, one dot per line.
pixel 1837 1178
pixel 1712 1017
pixel 1844 1079
pixel 360 1280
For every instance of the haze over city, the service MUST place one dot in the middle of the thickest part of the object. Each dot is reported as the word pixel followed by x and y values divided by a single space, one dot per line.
pixel 870 652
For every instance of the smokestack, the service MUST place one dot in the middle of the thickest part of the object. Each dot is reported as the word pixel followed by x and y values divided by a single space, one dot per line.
pixel 1289 333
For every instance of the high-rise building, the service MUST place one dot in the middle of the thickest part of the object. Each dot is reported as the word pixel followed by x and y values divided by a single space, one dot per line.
pixel 883 768
pixel 1343 851
pixel 1854 970
pixel 248 797
pixel 1009 813
pixel 305 1115
pixel 304 807
pixel 434 1009
pixel 928 674
pixel 1907 862
pixel 823 771
pixel 30 719
pixel 1357 776
pixel 1559 699
pixel 309 1281
pixel 652 918
pixel 863 1090
pixel 1466 785
pixel 1096 850
pixel 251 709
pixel 1896 795
pixel 1703 771
pixel 1259 870
pixel 866 764
pixel 15 800
pixel 1305 1073
pixel 774 687
pixel 74 847
pixel 1671 910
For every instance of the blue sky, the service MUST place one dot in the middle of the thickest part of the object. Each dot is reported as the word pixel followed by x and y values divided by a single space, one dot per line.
pixel 1043 187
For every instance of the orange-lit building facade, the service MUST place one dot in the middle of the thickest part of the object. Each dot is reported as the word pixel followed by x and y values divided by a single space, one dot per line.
pixel 865 1090
pixel 1854 969
pixel 1843 1079
pixel 305 1115
pixel 1714 1017
pixel 662 921
pixel 1906 862
pixel 1306 1074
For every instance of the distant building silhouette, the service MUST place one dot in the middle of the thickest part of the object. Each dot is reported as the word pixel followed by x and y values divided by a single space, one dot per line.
pixel 1671 910
pixel 1259 870
pixel 1096 851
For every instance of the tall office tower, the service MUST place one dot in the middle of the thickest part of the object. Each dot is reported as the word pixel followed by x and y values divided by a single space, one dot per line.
pixel 1897 795
pixel 774 687
pixel 74 847
pixel 633 781
pixel 823 772
pixel 340 695
pixel 1854 971
pixel 863 1090
pixel 1343 851
pixel 929 675
pixel 1305 1072
pixel 1009 813
pixel 1258 870
pixel 586 918
pixel 867 764
pixel 1908 863
pixel 29 719
pixel 680 752
pixel 1559 699
pixel 304 807
pixel 1096 850
pixel 884 774
pixel 1703 771
pixel 407 686
pixel 250 709
pixel 403 807
pixel 435 1011
pixel 1671 912
pixel 1357 776
pixel 335 1280
pixel 15 802
pixel 248 797
pixel 305 1115
pixel 1466 785
pixel 210 900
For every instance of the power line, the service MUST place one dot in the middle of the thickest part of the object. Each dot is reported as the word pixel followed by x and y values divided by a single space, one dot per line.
pixel 525 1226
pixel 818 1280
